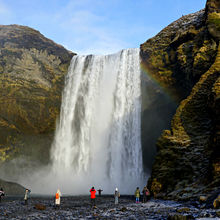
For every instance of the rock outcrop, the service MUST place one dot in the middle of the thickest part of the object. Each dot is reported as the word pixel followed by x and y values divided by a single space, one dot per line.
pixel 185 58
pixel 11 188
pixel 32 70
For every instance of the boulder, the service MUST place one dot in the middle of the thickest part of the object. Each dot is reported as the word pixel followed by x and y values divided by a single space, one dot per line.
pixel 39 206
pixel 216 203
pixel 202 198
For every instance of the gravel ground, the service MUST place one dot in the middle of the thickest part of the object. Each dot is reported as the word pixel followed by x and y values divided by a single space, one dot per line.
pixel 78 207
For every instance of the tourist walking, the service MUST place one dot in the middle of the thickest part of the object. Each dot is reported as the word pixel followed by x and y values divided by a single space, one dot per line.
pixel 57 198
pixel 26 196
pixel 117 195
pixel 137 195
pixel 93 192
pixel 2 193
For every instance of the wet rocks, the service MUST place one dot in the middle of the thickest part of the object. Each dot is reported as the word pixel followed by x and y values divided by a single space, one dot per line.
pixel 216 203
pixel 12 188
pixel 123 209
pixel 78 207
pixel 179 217
pixel 202 198
pixel 39 206
pixel 184 209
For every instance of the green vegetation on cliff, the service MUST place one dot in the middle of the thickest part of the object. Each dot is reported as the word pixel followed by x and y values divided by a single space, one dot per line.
pixel 185 58
pixel 187 163
pixel 32 70
pixel 178 55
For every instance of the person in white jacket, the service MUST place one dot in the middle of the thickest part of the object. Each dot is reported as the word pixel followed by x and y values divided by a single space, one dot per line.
pixel 57 198
pixel 117 195
pixel 26 196
pixel 2 193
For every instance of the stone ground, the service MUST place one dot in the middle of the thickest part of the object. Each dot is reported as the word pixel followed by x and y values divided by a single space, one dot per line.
pixel 78 207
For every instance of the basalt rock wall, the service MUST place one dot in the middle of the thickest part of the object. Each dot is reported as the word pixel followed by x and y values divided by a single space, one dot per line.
pixel 185 58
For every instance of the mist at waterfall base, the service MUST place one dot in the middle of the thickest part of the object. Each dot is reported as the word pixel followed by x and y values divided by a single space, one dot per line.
pixel 97 140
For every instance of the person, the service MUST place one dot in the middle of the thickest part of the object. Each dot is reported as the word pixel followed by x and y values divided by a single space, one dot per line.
pixel 117 195
pixel 100 192
pixel 26 196
pixel 144 191
pixel 2 193
pixel 137 194
pixel 147 194
pixel 57 198
pixel 92 191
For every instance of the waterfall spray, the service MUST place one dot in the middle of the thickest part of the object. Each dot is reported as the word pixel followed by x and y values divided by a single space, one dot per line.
pixel 97 140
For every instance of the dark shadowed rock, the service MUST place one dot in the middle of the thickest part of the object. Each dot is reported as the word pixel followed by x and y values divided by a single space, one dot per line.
pixel 185 58
pixel 11 188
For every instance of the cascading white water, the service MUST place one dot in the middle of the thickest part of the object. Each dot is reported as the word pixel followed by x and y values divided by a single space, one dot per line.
pixel 97 141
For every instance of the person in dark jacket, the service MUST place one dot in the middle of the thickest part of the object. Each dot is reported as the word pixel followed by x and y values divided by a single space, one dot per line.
pixel 100 192
pixel 144 194
pixel 147 194
pixel 93 191
pixel 2 193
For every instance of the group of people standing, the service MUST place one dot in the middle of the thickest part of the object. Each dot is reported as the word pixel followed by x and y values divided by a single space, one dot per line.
pixel 145 192
pixel 93 195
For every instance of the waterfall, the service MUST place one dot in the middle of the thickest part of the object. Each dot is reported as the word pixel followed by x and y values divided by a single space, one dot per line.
pixel 97 140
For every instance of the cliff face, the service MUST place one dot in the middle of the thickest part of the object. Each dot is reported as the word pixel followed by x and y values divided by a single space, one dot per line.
pixel 32 70
pixel 11 188
pixel 185 58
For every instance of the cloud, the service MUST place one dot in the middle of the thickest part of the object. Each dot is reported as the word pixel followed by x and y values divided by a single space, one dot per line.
pixel 84 26
pixel 88 31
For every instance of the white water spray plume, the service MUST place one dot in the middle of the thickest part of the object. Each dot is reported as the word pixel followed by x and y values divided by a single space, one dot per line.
pixel 97 140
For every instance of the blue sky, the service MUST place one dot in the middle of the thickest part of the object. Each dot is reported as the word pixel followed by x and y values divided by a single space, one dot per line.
pixel 96 26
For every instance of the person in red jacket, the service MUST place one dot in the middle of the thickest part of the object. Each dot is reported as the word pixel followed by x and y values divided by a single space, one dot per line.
pixel 92 191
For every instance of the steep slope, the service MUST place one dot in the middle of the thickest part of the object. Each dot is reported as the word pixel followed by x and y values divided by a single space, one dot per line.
pixel 185 58
pixel 32 70
pixel 11 188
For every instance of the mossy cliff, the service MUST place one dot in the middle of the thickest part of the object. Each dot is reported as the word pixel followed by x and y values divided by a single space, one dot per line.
pixel 185 58
pixel 32 70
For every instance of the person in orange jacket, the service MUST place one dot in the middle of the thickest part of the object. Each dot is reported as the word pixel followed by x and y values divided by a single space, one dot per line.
pixel 57 199
pixel 92 191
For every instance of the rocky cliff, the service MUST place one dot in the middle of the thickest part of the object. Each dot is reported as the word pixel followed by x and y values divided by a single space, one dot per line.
pixel 32 70
pixel 185 58
pixel 11 188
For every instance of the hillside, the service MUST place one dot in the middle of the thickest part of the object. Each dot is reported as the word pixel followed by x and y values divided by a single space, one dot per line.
pixel 32 70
